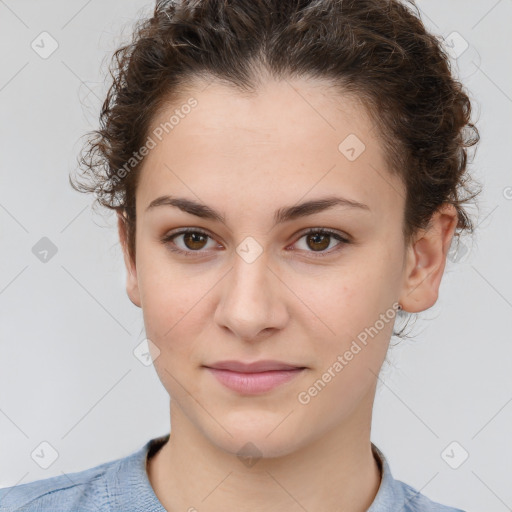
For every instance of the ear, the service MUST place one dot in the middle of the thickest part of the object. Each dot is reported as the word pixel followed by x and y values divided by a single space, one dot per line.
pixel 426 260
pixel 132 284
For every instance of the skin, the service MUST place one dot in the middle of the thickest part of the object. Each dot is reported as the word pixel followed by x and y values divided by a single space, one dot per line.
pixel 246 157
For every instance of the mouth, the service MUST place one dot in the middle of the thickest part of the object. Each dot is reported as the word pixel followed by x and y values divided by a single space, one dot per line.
pixel 254 378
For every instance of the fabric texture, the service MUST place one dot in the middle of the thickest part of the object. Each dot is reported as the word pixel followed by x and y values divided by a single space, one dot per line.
pixel 122 485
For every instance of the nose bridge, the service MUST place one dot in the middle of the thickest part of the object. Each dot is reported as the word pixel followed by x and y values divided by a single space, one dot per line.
pixel 250 299
pixel 249 281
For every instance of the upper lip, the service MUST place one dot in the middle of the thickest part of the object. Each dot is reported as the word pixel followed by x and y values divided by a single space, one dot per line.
pixel 256 366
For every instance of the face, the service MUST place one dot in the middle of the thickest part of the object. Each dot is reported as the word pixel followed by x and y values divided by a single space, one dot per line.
pixel 248 282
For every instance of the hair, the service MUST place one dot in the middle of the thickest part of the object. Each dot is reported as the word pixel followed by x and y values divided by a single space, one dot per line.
pixel 376 51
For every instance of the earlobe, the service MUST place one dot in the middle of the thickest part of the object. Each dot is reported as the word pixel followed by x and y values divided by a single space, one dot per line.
pixel 426 260
pixel 132 285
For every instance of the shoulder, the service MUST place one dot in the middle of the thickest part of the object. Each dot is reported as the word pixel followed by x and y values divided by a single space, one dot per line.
pixel 86 490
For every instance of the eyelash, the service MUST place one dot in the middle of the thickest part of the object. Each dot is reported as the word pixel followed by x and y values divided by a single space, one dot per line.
pixel 167 240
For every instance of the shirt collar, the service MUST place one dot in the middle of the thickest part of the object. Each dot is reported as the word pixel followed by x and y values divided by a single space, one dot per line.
pixel 140 497
pixel 390 492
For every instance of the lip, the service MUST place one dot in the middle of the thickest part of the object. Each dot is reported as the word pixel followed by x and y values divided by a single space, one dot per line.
pixel 253 378
pixel 254 367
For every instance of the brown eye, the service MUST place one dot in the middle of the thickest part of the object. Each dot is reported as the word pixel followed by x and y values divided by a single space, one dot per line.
pixel 189 242
pixel 194 241
pixel 318 241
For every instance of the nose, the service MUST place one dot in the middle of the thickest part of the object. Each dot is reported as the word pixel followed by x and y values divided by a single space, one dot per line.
pixel 253 300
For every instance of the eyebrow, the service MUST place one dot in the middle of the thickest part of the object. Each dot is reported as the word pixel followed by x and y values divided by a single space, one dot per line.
pixel 282 215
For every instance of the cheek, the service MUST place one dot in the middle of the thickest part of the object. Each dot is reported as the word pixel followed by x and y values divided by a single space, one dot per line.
pixel 176 306
pixel 172 320
pixel 350 340
pixel 165 297
pixel 163 303
pixel 350 312
pixel 350 297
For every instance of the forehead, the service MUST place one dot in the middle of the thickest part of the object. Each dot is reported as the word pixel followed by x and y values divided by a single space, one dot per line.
pixel 290 139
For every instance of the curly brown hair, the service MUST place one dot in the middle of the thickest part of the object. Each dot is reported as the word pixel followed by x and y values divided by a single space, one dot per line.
pixel 376 50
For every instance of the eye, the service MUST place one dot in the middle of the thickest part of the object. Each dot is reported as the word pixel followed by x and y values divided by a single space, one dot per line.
pixel 319 239
pixel 193 241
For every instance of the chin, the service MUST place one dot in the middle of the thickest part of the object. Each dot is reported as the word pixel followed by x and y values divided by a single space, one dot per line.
pixel 269 437
pixel 249 449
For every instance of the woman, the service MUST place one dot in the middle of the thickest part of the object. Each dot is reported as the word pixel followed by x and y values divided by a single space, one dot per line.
pixel 287 176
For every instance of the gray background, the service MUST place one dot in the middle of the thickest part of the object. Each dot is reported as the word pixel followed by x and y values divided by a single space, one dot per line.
pixel 68 375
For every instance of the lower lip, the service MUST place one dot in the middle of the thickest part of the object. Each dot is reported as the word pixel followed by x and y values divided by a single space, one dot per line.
pixel 254 383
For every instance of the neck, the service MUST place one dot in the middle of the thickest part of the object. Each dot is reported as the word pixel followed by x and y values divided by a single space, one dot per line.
pixel 335 472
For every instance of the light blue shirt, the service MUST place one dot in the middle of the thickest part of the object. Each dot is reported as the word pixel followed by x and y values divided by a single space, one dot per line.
pixel 122 485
